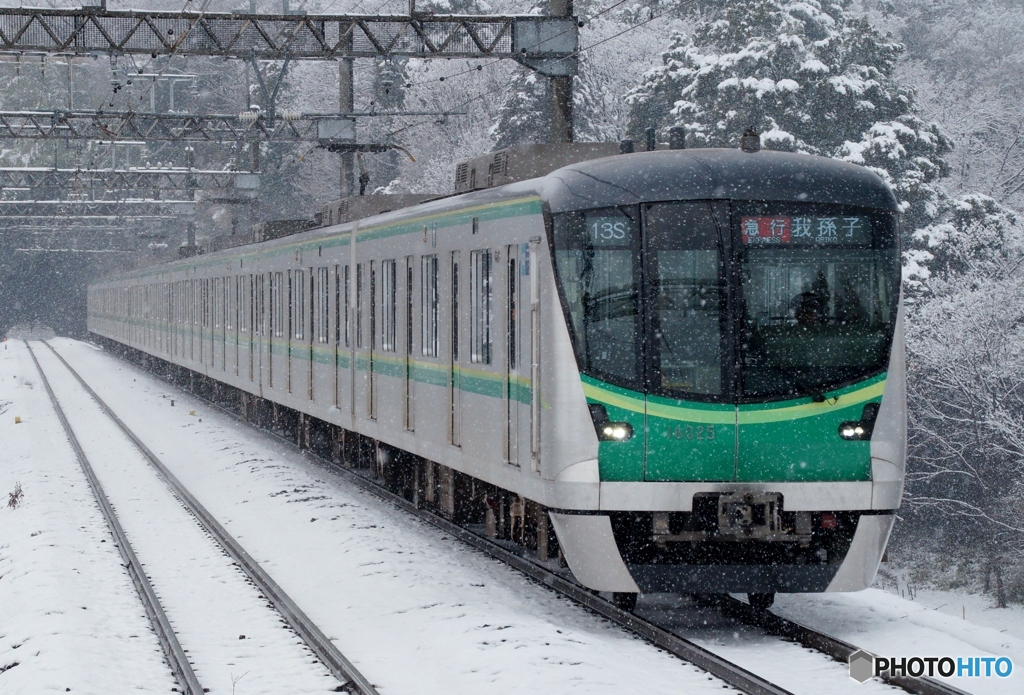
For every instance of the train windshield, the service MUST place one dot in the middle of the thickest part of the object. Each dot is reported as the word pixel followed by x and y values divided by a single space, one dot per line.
pixel 819 287
pixel 811 307
pixel 597 254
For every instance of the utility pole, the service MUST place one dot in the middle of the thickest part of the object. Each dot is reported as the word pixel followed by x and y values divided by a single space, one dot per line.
pixel 561 85
pixel 346 104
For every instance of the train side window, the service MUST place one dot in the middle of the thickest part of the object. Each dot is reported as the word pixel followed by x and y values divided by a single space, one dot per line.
pixel 337 305
pixel 389 305
pixel 272 319
pixel 348 303
pixel 373 305
pixel 282 326
pixel 512 272
pixel 359 305
pixel 322 308
pixel 409 260
pixel 455 306
pixel 218 298
pixel 480 300
pixel 428 305
pixel 299 303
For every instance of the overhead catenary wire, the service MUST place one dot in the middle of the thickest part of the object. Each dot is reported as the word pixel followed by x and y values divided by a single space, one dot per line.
pixel 575 54
pixel 498 61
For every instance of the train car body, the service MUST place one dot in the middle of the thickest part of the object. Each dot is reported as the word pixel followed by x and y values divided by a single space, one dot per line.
pixel 690 361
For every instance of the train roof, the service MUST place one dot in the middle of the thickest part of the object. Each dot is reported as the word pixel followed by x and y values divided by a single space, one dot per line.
pixel 629 179
pixel 710 174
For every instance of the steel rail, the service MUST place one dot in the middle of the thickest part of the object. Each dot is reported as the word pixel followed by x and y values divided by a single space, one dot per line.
pixel 680 647
pixel 688 651
pixel 684 649
pixel 315 639
pixel 176 658
pixel 832 646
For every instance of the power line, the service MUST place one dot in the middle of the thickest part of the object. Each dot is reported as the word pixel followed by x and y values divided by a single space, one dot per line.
pixel 573 55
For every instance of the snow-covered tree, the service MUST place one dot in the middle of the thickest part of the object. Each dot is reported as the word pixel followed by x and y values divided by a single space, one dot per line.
pixel 965 355
pixel 525 113
pixel 810 77
pixel 976 233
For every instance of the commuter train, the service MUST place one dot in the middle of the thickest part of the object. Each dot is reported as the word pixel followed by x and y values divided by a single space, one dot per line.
pixel 674 371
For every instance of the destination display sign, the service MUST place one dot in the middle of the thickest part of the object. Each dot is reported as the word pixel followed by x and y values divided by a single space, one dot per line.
pixel 610 230
pixel 784 230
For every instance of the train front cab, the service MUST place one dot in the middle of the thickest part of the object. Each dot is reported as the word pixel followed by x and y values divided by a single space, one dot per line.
pixel 742 363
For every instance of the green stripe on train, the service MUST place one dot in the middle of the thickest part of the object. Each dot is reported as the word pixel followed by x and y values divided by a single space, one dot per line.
pixel 466 379
pixel 786 441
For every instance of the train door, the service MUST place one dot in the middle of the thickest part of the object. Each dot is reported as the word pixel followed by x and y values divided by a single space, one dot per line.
pixel 249 290
pixel 690 423
pixel 336 321
pixel 512 354
pixel 345 350
pixel 530 269
pixel 215 323
pixel 273 330
pixel 408 385
pixel 292 324
pixel 360 390
pixel 317 322
pixel 236 315
pixel 263 324
pixel 225 297
pixel 455 380
pixel 372 344
pixel 190 317
pixel 204 319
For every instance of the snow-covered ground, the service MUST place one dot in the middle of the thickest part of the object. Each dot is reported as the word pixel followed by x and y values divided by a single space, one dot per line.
pixel 232 635
pixel 887 625
pixel 69 615
pixel 414 609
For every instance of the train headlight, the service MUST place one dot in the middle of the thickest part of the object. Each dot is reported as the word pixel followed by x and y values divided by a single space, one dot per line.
pixel 616 431
pixel 608 431
pixel 852 430
pixel 860 430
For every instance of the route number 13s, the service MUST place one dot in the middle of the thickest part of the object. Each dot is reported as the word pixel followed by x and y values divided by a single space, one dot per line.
pixel 608 230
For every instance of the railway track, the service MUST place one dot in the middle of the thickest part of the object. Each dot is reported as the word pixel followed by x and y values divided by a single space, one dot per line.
pixel 348 677
pixel 656 634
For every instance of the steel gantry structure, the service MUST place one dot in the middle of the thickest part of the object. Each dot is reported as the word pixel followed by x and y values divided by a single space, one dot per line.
pixel 161 179
pixel 134 126
pixel 548 45
pixel 544 43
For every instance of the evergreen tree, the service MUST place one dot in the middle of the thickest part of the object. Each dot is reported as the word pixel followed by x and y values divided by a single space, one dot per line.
pixel 810 77
pixel 525 113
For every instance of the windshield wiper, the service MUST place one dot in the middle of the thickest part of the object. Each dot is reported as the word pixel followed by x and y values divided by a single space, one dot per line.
pixel 816 395
pixel 772 361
